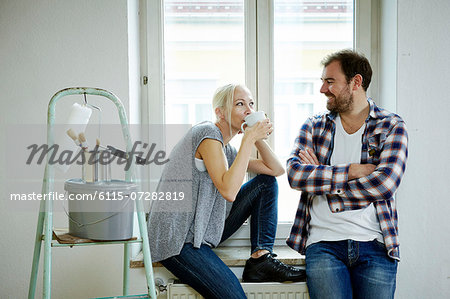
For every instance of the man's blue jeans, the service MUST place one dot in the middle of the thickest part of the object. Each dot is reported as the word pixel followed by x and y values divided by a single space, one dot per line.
pixel 202 269
pixel 350 269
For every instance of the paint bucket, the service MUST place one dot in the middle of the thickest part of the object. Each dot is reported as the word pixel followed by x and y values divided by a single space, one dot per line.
pixel 100 211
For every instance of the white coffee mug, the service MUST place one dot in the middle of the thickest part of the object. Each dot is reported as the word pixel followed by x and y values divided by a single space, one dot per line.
pixel 253 118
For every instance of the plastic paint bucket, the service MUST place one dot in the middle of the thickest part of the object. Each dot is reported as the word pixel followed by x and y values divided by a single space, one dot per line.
pixel 100 211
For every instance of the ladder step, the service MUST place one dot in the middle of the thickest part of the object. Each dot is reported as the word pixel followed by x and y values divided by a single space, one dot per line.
pixel 129 297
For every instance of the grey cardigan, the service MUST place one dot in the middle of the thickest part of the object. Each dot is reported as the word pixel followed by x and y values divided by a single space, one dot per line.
pixel 199 218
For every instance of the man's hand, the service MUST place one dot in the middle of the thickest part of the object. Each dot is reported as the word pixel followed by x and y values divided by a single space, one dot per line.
pixel 308 157
pixel 357 171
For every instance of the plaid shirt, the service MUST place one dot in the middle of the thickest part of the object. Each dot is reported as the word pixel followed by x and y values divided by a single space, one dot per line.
pixel 384 144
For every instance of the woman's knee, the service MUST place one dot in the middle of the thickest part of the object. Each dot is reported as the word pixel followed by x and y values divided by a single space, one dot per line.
pixel 267 180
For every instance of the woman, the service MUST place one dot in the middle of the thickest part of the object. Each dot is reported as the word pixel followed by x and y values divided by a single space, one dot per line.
pixel 205 166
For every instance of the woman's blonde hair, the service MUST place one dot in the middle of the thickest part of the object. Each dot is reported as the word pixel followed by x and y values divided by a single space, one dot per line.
pixel 223 98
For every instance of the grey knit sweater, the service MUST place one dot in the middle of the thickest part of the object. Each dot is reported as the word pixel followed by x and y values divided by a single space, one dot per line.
pixel 199 218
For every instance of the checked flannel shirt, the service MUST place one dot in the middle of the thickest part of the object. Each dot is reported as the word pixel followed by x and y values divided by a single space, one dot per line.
pixel 384 144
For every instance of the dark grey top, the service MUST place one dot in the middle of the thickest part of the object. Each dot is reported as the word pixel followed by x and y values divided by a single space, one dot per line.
pixel 199 218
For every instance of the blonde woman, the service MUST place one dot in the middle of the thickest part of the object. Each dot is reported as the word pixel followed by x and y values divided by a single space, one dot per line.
pixel 182 240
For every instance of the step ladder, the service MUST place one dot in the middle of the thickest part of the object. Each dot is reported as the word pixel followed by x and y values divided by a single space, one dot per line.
pixel 44 230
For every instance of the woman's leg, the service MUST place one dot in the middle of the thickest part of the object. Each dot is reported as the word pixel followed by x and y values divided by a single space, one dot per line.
pixel 204 271
pixel 257 198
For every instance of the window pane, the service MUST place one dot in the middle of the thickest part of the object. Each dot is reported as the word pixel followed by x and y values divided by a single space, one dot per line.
pixel 203 49
pixel 304 33
pixel 179 114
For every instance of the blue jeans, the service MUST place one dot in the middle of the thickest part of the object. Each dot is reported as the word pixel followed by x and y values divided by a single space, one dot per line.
pixel 202 269
pixel 350 269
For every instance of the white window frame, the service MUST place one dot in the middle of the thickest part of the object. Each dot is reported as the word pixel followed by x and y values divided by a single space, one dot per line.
pixel 259 18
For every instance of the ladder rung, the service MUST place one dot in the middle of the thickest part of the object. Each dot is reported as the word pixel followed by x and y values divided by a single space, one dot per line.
pixel 95 243
pixel 129 297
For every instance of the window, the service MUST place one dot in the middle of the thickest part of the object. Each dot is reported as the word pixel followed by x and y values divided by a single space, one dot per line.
pixel 203 49
pixel 274 46
pixel 304 32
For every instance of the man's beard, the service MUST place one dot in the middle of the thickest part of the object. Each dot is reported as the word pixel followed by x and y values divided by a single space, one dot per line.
pixel 341 103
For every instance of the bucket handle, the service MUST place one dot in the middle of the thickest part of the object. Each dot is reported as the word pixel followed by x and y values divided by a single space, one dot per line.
pixel 93 222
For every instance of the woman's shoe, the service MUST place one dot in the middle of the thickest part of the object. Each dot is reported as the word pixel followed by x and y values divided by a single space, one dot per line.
pixel 267 268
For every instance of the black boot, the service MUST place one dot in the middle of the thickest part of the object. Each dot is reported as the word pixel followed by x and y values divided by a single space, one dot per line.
pixel 267 268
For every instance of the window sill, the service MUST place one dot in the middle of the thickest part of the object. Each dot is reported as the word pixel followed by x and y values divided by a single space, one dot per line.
pixel 236 256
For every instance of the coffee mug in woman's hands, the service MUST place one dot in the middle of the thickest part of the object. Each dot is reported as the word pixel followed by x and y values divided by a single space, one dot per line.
pixel 253 118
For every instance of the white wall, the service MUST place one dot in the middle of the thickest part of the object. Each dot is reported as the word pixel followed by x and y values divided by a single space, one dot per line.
pixel 47 45
pixel 387 53
pixel 423 101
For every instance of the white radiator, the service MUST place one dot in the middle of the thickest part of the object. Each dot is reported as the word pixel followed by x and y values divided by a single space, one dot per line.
pixel 266 290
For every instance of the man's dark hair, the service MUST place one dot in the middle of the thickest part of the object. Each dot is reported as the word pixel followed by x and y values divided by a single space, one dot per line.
pixel 352 63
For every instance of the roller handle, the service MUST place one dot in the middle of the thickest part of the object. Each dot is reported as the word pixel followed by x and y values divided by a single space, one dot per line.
pixel 121 154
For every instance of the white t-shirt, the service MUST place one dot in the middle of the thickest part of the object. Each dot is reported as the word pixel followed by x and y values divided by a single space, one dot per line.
pixel 357 225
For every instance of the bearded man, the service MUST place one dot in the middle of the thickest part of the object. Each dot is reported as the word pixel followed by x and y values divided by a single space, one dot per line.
pixel 348 163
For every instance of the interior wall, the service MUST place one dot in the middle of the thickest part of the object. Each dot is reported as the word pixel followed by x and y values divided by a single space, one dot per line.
pixel 45 46
pixel 422 100
pixel 49 45
pixel 387 52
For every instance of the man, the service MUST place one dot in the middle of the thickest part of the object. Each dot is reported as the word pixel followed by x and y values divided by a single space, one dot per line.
pixel 348 162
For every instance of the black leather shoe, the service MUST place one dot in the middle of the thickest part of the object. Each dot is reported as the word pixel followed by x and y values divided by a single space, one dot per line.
pixel 267 268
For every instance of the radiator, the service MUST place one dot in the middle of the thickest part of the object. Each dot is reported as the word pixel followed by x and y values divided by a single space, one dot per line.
pixel 266 290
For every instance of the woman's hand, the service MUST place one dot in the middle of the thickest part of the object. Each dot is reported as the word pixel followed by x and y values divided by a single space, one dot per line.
pixel 259 131
pixel 267 163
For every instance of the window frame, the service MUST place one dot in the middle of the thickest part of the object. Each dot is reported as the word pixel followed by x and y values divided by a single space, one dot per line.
pixel 259 66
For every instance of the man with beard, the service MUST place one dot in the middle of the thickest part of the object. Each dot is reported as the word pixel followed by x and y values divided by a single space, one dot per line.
pixel 348 163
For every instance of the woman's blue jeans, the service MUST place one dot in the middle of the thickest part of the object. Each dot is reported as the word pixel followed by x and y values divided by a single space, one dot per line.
pixel 202 269
pixel 350 269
